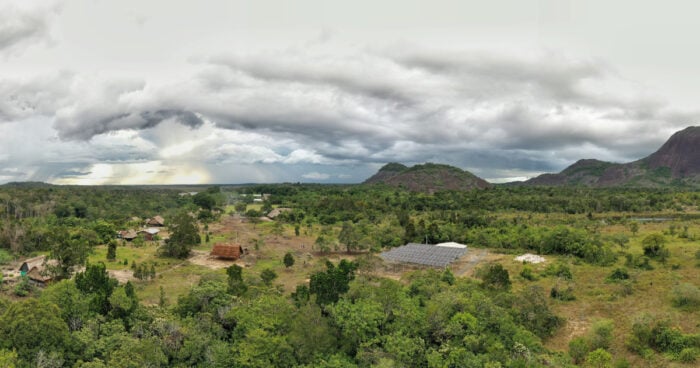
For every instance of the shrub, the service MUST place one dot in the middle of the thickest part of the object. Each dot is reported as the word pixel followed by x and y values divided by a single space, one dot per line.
pixel 268 275
pixel 562 294
pixel 559 270
pixel 599 358
pixel 618 274
pixel 23 287
pixel 601 334
pixel 527 274
pixel 5 257
pixel 641 337
pixel 495 276
pixel 686 295
pixel 688 355
pixel 654 246
pixel 638 261
pixel 578 349
pixel 625 288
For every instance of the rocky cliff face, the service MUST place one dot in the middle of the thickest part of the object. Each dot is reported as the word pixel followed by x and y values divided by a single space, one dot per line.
pixel 677 162
pixel 681 154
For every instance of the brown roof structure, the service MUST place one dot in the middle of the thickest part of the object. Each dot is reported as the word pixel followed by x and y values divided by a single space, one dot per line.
pixel 227 251
pixel 128 234
pixel 155 221
pixel 35 269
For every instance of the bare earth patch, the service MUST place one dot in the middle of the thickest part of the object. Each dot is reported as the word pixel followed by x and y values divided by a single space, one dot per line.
pixel 202 258
pixel 122 275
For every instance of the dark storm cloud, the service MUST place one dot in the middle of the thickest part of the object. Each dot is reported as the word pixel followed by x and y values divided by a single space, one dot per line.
pixel 479 111
pixel 132 120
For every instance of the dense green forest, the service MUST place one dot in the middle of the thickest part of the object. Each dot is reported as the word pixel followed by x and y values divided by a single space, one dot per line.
pixel 348 313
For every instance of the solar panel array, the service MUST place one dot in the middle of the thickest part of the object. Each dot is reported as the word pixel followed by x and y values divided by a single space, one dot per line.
pixel 424 254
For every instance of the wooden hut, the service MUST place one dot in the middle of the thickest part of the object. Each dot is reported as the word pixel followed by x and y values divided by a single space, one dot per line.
pixel 149 234
pixel 155 221
pixel 127 235
pixel 227 251
pixel 35 268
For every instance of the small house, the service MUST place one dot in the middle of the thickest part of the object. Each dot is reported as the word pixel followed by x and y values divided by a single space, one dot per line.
pixel 35 268
pixel 149 234
pixel 227 251
pixel 127 235
pixel 155 221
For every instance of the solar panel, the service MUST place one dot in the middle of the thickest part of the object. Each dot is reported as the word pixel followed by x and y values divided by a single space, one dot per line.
pixel 424 254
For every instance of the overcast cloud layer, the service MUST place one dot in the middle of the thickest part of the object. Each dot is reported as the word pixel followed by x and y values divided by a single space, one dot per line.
pixel 95 92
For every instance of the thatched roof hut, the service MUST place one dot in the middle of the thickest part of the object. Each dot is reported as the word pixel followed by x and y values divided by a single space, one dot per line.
pixel 227 251
pixel 155 221
pixel 35 268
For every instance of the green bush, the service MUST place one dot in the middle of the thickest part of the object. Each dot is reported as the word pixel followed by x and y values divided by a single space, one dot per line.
pixel 559 270
pixel 578 349
pixel 638 261
pixel 685 295
pixel 599 358
pixel 23 287
pixel 494 276
pixel 527 274
pixel 562 294
pixel 618 274
pixel 625 288
pixel 688 355
pixel 601 334
pixel 5 257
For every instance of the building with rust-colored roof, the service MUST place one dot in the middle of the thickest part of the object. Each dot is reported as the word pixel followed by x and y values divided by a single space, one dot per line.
pixel 227 251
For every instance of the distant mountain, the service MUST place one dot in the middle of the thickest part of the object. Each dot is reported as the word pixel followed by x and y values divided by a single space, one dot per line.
pixel 27 184
pixel 583 172
pixel 676 163
pixel 387 172
pixel 427 178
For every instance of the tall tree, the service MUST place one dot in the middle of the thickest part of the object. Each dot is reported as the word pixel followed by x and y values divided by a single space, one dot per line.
pixel 236 285
pixel 328 285
pixel 97 285
pixel 112 250
pixel 68 251
pixel 184 234
pixel 204 200
pixel 349 236
pixel 31 326
pixel 268 275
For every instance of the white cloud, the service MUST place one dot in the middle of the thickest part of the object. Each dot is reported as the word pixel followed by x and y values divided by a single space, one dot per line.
pixel 316 176
pixel 23 23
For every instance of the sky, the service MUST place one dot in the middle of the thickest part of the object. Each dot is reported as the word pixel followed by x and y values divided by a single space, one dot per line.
pixel 227 91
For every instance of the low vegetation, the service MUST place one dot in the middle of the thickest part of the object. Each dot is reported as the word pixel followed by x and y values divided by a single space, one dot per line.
pixel 618 288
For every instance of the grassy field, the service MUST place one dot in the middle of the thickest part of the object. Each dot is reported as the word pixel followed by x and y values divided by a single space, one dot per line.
pixel 178 276
pixel 596 298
